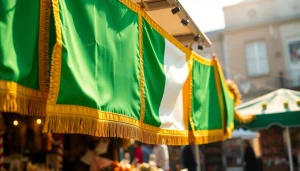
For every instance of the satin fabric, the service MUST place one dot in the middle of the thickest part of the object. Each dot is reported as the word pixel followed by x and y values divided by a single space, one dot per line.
pixel 100 56
pixel 19 33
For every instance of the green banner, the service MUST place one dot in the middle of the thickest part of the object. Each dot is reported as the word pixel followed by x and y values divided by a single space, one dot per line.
pixel 24 56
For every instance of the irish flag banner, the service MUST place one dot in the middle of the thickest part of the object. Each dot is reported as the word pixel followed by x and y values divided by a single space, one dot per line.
pixel 166 71
pixel 116 73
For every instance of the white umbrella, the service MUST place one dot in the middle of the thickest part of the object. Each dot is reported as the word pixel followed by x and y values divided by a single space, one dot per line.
pixel 244 134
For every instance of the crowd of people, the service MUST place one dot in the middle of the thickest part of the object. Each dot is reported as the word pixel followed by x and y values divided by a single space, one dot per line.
pixel 140 153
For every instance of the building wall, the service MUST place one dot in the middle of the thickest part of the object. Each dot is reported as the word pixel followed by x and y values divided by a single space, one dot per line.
pixel 237 61
pixel 250 12
pixel 290 32
pixel 288 8
pixel 277 22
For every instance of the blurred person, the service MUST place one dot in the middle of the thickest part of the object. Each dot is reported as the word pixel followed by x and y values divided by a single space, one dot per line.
pixel 189 161
pixel 294 54
pixel 295 160
pixel 138 153
pixel 162 157
pixel 146 152
pixel 250 162
pixel 180 158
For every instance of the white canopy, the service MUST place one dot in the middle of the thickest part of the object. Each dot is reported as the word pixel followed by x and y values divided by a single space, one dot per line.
pixel 244 134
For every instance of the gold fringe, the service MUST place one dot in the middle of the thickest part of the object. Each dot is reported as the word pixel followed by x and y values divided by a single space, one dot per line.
pixel 230 131
pixel 187 103
pixel 104 128
pixel 44 44
pixel 56 58
pixel 233 88
pixel 209 139
pixel 243 118
pixel 142 78
pixel 85 112
pixel 191 136
pixel 16 103
pixel 205 139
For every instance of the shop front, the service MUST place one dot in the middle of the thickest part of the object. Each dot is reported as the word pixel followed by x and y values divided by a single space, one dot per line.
pixel 277 117
pixel 274 149
pixel 295 143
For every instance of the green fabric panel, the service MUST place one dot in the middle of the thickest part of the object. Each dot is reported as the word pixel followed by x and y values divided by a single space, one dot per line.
pixel 229 105
pixel 229 110
pixel 206 112
pixel 19 31
pixel 153 55
pixel 263 121
pixel 100 56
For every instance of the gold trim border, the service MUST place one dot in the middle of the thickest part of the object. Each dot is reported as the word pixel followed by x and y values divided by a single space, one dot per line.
pixel 72 119
pixel 142 77
pixel 45 8
pixel 224 80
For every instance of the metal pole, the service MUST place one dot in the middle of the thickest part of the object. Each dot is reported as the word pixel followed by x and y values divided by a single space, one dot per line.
pixel 1 152
pixel 197 155
pixel 289 148
pixel 2 131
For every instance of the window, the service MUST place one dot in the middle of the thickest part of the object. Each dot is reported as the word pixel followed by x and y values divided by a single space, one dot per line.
pixel 257 58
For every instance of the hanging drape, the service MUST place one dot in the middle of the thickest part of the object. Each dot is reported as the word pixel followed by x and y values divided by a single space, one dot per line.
pixel 114 73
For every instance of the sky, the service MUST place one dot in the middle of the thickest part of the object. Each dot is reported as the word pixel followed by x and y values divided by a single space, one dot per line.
pixel 207 14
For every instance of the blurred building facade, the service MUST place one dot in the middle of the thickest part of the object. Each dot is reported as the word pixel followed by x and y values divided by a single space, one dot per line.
pixel 260 45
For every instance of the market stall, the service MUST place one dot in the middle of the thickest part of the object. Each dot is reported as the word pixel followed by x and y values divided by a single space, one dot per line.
pixel 25 147
pixel 213 156
pixel 103 69
pixel 233 149
pixel 23 142
pixel 282 109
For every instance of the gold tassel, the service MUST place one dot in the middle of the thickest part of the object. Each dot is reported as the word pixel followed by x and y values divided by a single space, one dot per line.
pixel 235 91
pixel 243 119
